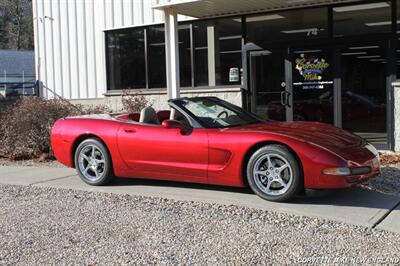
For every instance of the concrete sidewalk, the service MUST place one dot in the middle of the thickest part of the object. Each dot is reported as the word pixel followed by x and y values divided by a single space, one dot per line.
pixel 354 206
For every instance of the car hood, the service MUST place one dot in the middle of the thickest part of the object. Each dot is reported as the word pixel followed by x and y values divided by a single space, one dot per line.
pixel 320 134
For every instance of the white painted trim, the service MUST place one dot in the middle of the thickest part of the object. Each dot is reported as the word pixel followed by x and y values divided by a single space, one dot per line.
pixel 172 53
pixel 36 39
pixel 103 61
pixel 155 23
pixel 396 116
pixel 173 3
pixel 134 26
pixel 164 91
pixel 211 55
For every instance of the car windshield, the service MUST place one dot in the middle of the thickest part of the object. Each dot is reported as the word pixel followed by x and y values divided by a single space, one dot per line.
pixel 215 113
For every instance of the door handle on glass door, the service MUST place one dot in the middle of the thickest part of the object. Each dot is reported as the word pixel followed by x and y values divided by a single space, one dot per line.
pixel 282 98
pixel 285 98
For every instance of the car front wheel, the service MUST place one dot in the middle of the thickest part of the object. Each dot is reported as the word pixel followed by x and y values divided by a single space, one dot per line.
pixel 93 162
pixel 274 174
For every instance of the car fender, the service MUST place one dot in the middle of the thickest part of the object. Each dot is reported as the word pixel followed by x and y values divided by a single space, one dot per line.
pixel 240 146
pixel 68 133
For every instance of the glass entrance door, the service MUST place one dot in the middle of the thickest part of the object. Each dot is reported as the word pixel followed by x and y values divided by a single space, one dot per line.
pixel 312 93
pixel 298 84
pixel 292 84
pixel 270 93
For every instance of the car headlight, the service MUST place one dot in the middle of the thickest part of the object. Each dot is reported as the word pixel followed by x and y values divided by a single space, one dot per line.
pixel 372 149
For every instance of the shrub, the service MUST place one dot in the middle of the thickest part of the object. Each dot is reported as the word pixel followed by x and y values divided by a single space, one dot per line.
pixel 134 103
pixel 388 159
pixel 91 109
pixel 5 103
pixel 25 125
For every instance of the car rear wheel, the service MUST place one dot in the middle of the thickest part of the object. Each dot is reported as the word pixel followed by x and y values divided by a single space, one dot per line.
pixel 93 162
pixel 274 174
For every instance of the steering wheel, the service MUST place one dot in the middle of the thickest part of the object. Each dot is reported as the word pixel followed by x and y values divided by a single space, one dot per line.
pixel 223 113
pixel 219 116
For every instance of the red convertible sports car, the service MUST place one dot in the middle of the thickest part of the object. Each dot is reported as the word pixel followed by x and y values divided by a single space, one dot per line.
pixel 208 140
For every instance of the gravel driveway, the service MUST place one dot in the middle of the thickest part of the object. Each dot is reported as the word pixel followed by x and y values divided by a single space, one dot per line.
pixel 56 226
pixel 33 162
pixel 387 182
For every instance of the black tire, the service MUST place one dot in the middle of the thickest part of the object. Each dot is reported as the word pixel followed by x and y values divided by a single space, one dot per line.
pixel 103 173
pixel 280 157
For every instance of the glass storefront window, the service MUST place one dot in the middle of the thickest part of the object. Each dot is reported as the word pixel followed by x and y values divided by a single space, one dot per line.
pixel 363 73
pixel 230 51
pixel 185 65
pixel 304 24
pixel 156 57
pixel 125 59
pixel 362 19
pixel 398 41
pixel 200 54
pixel 217 55
pixel 398 58
pixel 217 46
pixel 398 16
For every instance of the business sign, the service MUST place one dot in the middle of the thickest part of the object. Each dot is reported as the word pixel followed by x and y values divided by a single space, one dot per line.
pixel 233 74
pixel 312 69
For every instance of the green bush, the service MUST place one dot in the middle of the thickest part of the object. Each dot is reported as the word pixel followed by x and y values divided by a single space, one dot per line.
pixel 25 125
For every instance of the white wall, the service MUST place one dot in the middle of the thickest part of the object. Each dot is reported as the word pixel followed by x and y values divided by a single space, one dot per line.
pixel 69 41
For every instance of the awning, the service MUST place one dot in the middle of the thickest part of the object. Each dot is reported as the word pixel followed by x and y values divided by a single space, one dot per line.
pixel 218 8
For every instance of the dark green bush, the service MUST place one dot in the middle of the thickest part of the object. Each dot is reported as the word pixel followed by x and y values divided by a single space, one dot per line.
pixel 25 125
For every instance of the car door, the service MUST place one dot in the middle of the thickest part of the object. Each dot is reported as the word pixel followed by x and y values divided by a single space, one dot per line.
pixel 153 151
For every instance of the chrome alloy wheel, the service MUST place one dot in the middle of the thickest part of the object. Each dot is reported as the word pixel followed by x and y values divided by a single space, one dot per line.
pixel 91 163
pixel 272 174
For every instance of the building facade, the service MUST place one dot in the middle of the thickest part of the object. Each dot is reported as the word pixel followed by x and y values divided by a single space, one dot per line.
pixel 324 60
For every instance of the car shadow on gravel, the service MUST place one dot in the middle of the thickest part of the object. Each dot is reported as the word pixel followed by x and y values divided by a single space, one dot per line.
pixel 382 192
pixel 370 195
pixel 163 183
pixel 387 182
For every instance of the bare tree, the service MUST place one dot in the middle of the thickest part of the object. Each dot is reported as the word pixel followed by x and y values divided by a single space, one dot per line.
pixel 16 21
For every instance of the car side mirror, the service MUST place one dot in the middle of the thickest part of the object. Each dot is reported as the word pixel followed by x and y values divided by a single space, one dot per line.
pixel 176 124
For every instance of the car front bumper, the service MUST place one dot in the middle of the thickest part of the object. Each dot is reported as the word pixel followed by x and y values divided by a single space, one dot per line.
pixel 364 157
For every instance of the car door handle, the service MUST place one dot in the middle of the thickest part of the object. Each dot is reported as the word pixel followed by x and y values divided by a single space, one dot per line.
pixel 129 130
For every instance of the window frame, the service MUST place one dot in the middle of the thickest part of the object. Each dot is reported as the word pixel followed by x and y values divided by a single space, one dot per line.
pixel 107 58
pixel 145 28
pixel 243 18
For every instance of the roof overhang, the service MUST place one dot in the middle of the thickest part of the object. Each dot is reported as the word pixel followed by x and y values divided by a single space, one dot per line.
pixel 219 8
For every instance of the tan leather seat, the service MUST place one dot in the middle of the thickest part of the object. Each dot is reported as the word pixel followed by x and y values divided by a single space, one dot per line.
pixel 149 116
pixel 172 114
